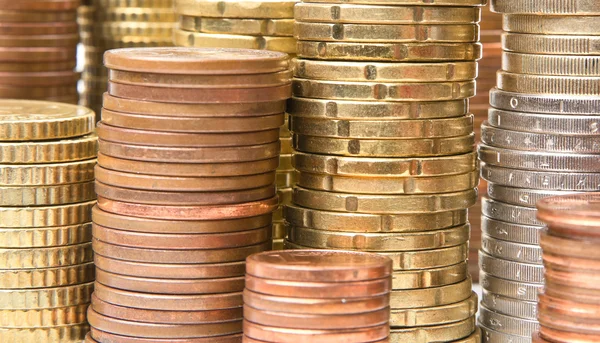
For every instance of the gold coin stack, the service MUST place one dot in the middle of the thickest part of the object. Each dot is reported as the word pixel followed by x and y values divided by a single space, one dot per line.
pixel 38 43
pixel 111 24
pixel 256 24
pixel 47 158
pixel 540 140
pixel 384 148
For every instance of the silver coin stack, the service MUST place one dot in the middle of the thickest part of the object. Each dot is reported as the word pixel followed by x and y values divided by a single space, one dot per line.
pixel 542 138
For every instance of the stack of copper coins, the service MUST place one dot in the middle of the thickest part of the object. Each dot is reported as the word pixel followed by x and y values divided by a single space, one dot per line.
pixel 569 308
pixel 317 296
pixel 47 158
pixel 384 149
pixel 189 145
pixel 110 24
pixel 38 42
pixel 541 140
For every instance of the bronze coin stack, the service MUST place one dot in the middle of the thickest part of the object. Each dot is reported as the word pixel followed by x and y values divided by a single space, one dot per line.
pixel 384 146
pixel 47 158
pixel 111 24
pixel 317 296
pixel 569 308
pixel 38 43
pixel 189 145
pixel 540 140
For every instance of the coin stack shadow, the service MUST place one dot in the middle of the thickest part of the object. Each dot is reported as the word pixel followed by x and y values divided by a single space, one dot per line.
pixel 38 43
pixel 540 140
pixel 317 296
pixel 47 158
pixel 189 145
pixel 111 24
pixel 385 150
pixel 569 306
pixel 249 24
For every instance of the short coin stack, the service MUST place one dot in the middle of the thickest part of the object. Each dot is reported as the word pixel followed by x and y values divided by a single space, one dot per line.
pixel 541 140
pixel 189 145
pixel 47 159
pixel 384 149
pixel 38 41
pixel 569 308
pixel 317 296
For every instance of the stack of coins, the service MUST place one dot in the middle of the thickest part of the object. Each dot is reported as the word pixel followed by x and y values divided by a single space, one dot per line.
pixel 47 158
pixel 540 140
pixel 317 296
pixel 384 149
pixel 189 145
pixel 569 308
pixel 38 42
pixel 110 24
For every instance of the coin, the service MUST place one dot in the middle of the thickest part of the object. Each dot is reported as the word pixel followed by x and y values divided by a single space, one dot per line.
pixel 497 336
pixel 509 213
pixel 446 332
pixel 36 67
pixel 12 28
pixel 47 195
pixel 39 237
pixel 46 174
pixel 548 25
pixel 144 29
pixel 566 308
pixel 509 306
pixel 428 278
pixel 12 319
pixel 541 84
pixel 520 196
pixel 44 298
pixel 66 150
pixel 204 40
pixel 544 123
pixel 550 65
pixel 19 16
pixel 253 27
pixel 507 324
pixel 511 289
pixel 44 216
pixel 44 5
pixel 133 3
pixel 65 333
pixel 134 14
pixel 551 44
pixel 410 2
pixel 46 277
pixel 439 315
pixel 38 41
pixel 431 297
pixel 510 270
pixel 234 9
pixel 45 257
pixel 550 7
pixel 526 234
pixel 103 336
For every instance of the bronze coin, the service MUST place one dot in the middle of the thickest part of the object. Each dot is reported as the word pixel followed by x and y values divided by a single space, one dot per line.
pixel 37 54
pixel 246 339
pixel 553 335
pixel 573 215
pixel 558 262
pixel 105 337
pixel 573 278
pixel 536 338
pixel 577 294
pixel 41 92
pixel 18 67
pixel 38 28
pixel 23 41
pixel 43 79
pixel 40 5
pixel 567 308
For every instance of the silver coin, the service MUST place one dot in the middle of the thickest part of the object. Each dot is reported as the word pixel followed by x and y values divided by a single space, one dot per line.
pixel 510 270
pixel 551 44
pixel 509 306
pixel 507 324
pixel 509 213
pixel 526 234
pixel 518 252
pixel 540 161
pixel 544 123
pixel 511 289
pixel 555 7
pixel 543 103
pixel 492 336
pixel 550 64
pixel 520 196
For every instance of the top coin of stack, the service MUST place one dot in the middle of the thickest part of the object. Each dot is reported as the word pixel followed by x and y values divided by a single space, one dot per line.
pixel 384 149
pixel 38 41
pixel 47 158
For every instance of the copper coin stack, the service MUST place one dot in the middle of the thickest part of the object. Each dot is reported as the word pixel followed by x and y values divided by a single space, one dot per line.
pixel 540 140
pixel 47 158
pixel 111 24
pixel 317 296
pixel 189 145
pixel 38 43
pixel 384 149
pixel 569 308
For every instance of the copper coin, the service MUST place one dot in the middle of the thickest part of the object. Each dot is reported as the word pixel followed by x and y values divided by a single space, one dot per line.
pixel 105 337
pixel 319 265
pixel 177 256
pixel 179 139
pixel 574 278
pixel 177 198
pixel 536 338
pixel 193 124
pixel 43 79
pixel 40 5
pixel 23 41
pixel 577 294
pixel 168 302
pixel 190 110
pixel 325 290
pixel 567 308
pixel 576 247
pixel 247 339
pixel 200 95
pixel 18 67
pixel 557 336
pixel 142 224
pixel 181 241
pixel 562 262
pixel 205 61
pixel 7 91
pixel 573 215
pixel 281 335
pixel 151 330
pixel 38 28
pixel 250 209
pixel 170 271
pixel 189 155
pixel 188 169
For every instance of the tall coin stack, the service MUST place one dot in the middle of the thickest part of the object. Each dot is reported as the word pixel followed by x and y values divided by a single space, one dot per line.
pixel 189 145
pixel 111 24
pixel 384 149
pixel 540 140
pixel 317 296
pixel 38 43
pixel 569 307
pixel 256 24
pixel 47 158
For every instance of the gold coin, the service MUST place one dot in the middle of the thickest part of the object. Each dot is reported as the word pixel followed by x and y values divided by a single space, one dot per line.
pixel 47 195
pixel 43 298
pixel 431 297
pixel 438 315
pixel 384 204
pixel 133 14
pixel 551 65
pixel 392 52
pixel 46 277
pixel 285 162
pixel 45 257
pixel 46 174
pixel 253 27
pixel 63 334
pixel 385 147
pixel 464 331
pixel 25 318
pixel 551 44
pixel 201 40
pixel 380 91
pixel 146 29
pixel 549 25
pixel 279 231
pixel 67 150
pixel 286 179
pixel 19 16
pixel 236 9
pixel 551 7
pixel 427 278
pixel 548 84
pixel 286 146
pixel 42 216
pixel 278 244
pixel 410 2
pixel 133 3
pixel 126 41
pixel 386 72
pixel 374 33
pixel 358 14
pixel 40 237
